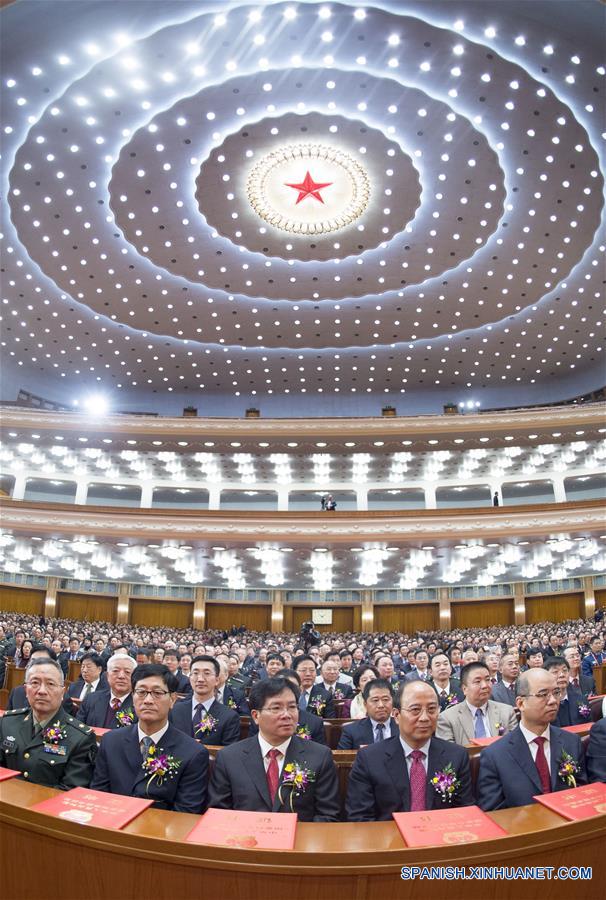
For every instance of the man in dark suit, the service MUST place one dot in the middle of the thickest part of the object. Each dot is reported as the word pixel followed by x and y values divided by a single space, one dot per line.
pixel 420 670
pixel 171 661
pixel 92 678
pixel 596 752
pixel 398 775
pixel 583 683
pixel 112 708
pixel 595 657
pixel 276 771
pixel 309 727
pixel 201 716
pixel 530 759
pixel 231 697
pixel 314 697
pixel 446 687
pixel 72 653
pixel 127 759
pixel 572 702
pixel 378 724
pixel 506 690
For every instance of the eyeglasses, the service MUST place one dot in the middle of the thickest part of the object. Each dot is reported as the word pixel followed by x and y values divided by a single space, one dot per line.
pixel 157 694
pixel 545 695
pixel 417 710
pixel 291 708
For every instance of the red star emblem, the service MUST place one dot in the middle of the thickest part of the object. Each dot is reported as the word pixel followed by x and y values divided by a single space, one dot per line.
pixel 309 188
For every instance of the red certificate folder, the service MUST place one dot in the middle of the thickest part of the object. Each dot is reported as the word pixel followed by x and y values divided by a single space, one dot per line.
pixel 447 826
pixel 247 830
pixel 583 728
pixel 97 808
pixel 577 803
pixel 99 732
pixel 484 742
pixel 5 774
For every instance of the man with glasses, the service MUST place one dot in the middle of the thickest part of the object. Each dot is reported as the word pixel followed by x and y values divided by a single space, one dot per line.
pixel 531 759
pixel 43 741
pixel 200 715
pixel 397 775
pixel 92 678
pixel 152 759
pixel 276 771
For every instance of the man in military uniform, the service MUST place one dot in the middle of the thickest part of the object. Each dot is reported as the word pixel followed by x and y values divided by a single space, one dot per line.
pixel 43 742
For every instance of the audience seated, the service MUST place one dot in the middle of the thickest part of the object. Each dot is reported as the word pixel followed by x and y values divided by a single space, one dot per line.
pixel 531 759
pixel 478 715
pixel 378 724
pixel 42 741
pixel 413 771
pixel 152 759
pixel 112 708
pixel 276 771
pixel 200 715
pixel 213 671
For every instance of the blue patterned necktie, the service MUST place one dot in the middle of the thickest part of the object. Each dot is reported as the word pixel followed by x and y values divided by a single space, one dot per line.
pixel 479 731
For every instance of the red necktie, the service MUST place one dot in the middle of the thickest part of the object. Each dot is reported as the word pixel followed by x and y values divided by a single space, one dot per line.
pixel 541 764
pixel 418 779
pixel 273 773
pixel 575 682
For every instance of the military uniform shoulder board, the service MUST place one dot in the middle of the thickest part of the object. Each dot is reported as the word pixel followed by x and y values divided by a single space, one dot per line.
pixel 16 712
pixel 79 726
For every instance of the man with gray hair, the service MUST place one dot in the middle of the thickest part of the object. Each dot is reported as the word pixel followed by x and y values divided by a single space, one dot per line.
pixel 42 741
pixel 112 708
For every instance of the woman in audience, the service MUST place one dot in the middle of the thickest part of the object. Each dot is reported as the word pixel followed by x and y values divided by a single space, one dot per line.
pixel 362 676
pixel 26 652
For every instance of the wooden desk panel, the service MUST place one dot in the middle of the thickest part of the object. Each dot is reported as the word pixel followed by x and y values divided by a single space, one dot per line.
pixel 361 861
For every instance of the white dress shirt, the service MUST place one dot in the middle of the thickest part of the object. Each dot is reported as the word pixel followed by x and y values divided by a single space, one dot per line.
pixel 266 747
pixel 534 749
pixel 93 687
pixel 156 736
pixel 206 704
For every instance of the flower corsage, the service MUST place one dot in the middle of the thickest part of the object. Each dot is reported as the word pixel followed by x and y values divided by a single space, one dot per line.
pixel 159 765
pixel 451 700
pixel 296 778
pixel 584 710
pixel 567 769
pixel 446 783
pixel 317 705
pixel 500 729
pixel 303 732
pixel 205 726
pixel 54 734
pixel 124 717
pixel 231 703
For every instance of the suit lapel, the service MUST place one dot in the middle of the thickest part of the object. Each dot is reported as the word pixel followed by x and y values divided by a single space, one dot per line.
pixel 133 755
pixel 520 754
pixel 255 769
pixel 556 750
pixel 435 761
pixel 395 764
pixel 466 722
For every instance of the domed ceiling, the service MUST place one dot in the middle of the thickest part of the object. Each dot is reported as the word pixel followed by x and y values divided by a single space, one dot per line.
pixel 308 207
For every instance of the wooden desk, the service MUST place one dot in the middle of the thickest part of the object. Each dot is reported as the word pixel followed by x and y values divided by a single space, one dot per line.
pixel 599 674
pixel 360 861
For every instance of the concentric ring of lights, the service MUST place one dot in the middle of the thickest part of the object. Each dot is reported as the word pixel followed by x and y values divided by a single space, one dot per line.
pixel 359 188
pixel 542 127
